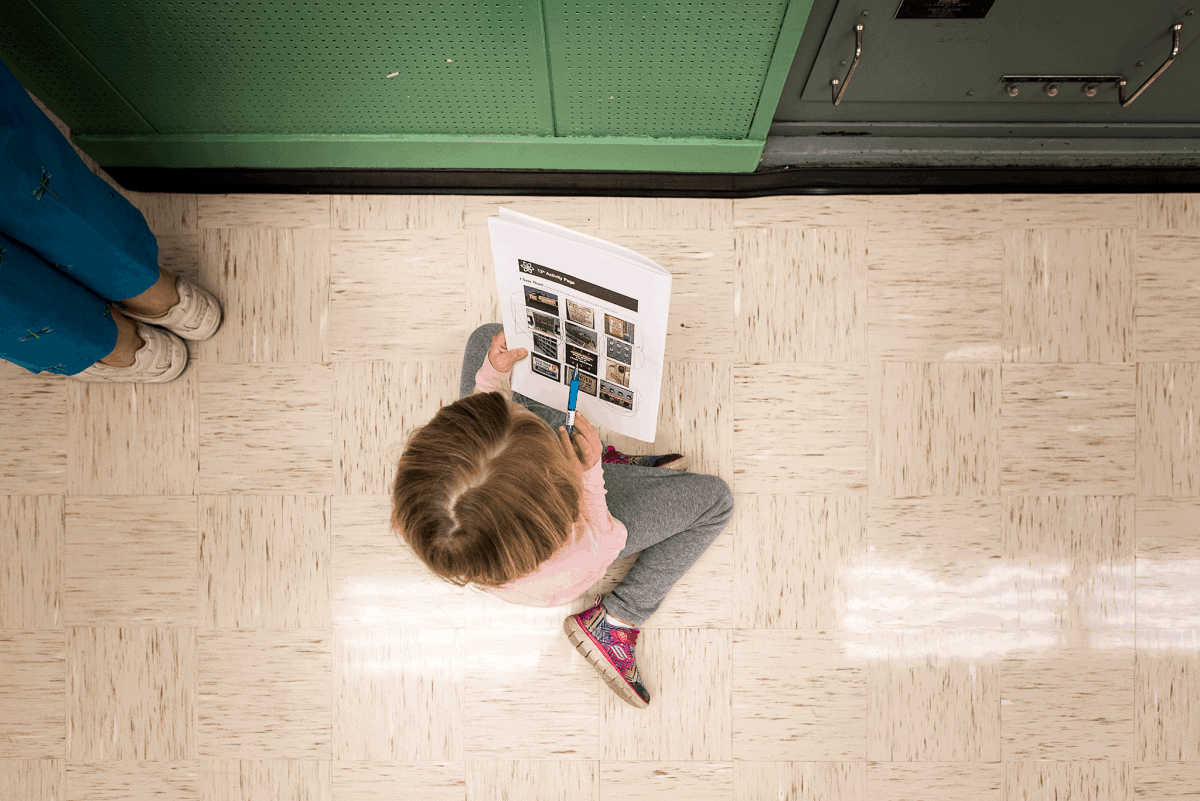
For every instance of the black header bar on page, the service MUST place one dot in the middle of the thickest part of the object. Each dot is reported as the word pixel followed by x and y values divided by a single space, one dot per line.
pixel 559 277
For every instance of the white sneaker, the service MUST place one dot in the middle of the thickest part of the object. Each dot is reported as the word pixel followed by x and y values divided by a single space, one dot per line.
pixel 196 316
pixel 161 359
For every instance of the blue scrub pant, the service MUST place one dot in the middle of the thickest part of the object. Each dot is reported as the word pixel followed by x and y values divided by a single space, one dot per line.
pixel 69 243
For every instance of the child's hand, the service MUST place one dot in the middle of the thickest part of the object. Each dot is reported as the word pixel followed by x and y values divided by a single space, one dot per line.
pixel 584 451
pixel 501 357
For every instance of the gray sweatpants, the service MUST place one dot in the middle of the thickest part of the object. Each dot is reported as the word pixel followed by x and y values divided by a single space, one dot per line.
pixel 671 516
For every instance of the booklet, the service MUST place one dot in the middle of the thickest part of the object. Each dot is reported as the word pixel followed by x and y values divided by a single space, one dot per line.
pixel 572 299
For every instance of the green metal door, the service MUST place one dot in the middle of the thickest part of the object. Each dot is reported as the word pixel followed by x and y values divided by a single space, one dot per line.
pixel 943 72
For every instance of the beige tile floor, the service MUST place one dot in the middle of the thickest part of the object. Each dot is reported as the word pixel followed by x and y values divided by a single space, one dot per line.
pixel 961 430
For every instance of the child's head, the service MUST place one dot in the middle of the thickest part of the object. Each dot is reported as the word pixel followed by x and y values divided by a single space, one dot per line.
pixel 484 492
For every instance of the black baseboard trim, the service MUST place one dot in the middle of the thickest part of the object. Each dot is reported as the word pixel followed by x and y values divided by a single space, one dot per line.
pixel 778 181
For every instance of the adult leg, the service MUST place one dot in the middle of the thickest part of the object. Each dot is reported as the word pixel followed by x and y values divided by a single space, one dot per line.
pixel 49 323
pixel 59 209
pixel 671 519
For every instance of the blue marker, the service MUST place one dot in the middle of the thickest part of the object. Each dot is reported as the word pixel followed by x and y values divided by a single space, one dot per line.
pixel 571 401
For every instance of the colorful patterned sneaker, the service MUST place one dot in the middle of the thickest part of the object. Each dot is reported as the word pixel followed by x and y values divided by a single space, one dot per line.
pixel 671 461
pixel 196 316
pixel 610 650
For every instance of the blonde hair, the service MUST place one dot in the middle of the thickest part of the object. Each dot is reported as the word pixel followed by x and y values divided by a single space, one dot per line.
pixel 483 494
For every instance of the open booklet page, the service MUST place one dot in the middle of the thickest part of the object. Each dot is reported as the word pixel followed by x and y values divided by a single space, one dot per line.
pixel 571 299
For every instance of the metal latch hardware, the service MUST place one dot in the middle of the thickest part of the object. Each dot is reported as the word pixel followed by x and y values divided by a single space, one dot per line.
pixel 1091 82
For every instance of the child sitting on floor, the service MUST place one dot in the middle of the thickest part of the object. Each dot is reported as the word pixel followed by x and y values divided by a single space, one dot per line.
pixel 493 492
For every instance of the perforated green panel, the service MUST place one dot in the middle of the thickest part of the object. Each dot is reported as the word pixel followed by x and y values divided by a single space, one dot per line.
pixel 660 68
pixel 62 78
pixel 506 84
pixel 277 66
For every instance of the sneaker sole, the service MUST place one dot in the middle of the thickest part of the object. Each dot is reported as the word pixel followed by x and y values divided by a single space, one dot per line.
pixel 680 464
pixel 584 644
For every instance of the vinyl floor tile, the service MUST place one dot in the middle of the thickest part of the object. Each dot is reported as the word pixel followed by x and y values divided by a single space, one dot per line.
pixel 800 781
pixel 1068 429
pixel 891 214
pixel 266 320
pixel 801 296
pixel 1168 695
pixel 33 694
pixel 1169 210
pixel 801 211
pixel 1165 781
pixel 665 212
pixel 130 780
pixel 701 322
pixel 376 407
pixel 935 781
pixel 688 675
pixel 1073 211
pixel 131 694
pixel 1069 295
pixel 959 608
pixel 286 780
pixel 483 297
pixel 376 580
pixel 130 561
pixel 40 779
pixel 543 779
pixel 798 695
pixel 579 213
pixel 1068 698
pixel 649 781
pixel 33 439
pixel 1168 429
pixel 31 554
pixel 398 211
pixel 933 295
pixel 798 560
pixel 933 562
pixel 264 561
pixel 397 295
pixel 397 694
pixel 1167 563
pixel 949 414
pixel 1072 559
pixel 387 781
pixel 1168 293
pixel 774 453
pixel 508 675
pixel 253 210
pixel 133 439
pixel 264 693
pixel 932 697
pixel 243 411
pixel 165 212
pixel 1035 781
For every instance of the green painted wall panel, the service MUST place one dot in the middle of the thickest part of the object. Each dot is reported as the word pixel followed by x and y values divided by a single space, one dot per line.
pixel 277 66
pixel 660 69
pixel 50 66
pixel 506 84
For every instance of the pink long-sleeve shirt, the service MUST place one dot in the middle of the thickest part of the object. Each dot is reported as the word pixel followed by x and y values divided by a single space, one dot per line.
pixel 596 538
